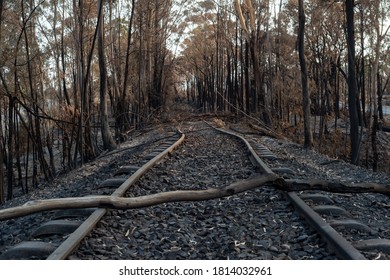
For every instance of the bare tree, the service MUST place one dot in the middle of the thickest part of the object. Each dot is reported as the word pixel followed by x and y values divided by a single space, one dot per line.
pixel 305 91
pixel 108 141
pixel 352 85
pixel 380 33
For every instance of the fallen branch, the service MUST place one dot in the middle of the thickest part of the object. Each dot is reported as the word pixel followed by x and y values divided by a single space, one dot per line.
pixel 135 202
pixel 335 187
pixel 385 128
pixel 266 131
pixel 180 196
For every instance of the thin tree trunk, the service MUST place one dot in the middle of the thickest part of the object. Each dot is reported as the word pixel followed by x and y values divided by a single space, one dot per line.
pixel 2 192
pixel 10 159
pixel 375 91
pixel 380 97
pixel 352 86
pixel 108 141
pixel 305 92
pixel 65 91
pixel 34 97
pixel 362 71
pixel 122 113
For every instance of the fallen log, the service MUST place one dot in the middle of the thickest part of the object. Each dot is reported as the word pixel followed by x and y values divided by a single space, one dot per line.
pixel 385 128
pixel 135 202
pixel 198 195
pixel 266 131
pixel 334 187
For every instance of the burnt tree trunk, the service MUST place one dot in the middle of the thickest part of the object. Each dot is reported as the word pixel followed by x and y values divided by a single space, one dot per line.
pixel 352 85
pixel 1 130
pixel 305 92
pixel 108 141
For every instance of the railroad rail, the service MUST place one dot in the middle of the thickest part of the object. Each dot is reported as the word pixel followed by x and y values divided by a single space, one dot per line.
pixel 321 204
pixel 341 246
pixel 76 230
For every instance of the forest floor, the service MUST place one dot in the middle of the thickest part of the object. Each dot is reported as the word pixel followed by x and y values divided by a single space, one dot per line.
pixel 334 141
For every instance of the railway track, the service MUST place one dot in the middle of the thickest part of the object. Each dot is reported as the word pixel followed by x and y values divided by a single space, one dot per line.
pixel 323 214
pixel 56 238
pixel 246 226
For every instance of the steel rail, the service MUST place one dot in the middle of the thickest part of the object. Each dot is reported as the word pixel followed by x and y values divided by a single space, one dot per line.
pixel 336 242
pixel 70 244
pixel 339 244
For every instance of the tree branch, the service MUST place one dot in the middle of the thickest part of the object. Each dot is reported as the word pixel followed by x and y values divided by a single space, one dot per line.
pixel 334 187
pixel 135 202
pixel 181 196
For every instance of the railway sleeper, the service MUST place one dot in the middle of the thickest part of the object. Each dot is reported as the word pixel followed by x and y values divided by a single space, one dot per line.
pixel 73 213
pixel 330 210
pixel 382 245
pixel 165 146
pixel 263 151
pixel 56 227
pixel 269 157
pixel 160 150
pixel 351 224
pixel 317 198
pixel 112 183
pixel 126 170
pixel 29 250
pixel 262 148
pixel 151 155
pixel 266 154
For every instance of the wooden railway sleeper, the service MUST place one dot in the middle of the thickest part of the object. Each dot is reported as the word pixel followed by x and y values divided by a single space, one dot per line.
pixel 351 224
pixel 126 170
pixel 73 213
pixel 373 244
pixel 316 198
pixel 29 250
pixel 56 227
pixel 112 183
pixel 330 210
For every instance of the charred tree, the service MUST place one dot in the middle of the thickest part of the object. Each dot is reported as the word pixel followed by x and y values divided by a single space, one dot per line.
pixel 1 130
pixel 108 141
pixel 305 92
pixel 352 84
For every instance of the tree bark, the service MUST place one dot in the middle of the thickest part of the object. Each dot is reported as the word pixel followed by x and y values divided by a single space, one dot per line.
pixel 305 92
pixel 334 187
pixel 1 130
pixel 10 158
pixel 352 85
pixel 1 173
pixel 122 112
pixel 108 141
